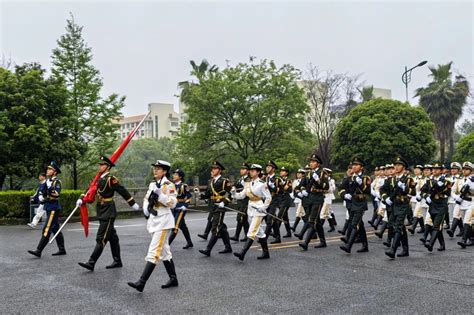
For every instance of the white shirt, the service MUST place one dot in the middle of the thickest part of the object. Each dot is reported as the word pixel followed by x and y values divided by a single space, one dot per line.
pixel 167 200
pixel 259 197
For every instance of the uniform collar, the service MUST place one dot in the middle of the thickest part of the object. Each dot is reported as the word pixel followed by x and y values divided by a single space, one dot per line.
pixel 104 174
pixel 178 182
pixel 216 178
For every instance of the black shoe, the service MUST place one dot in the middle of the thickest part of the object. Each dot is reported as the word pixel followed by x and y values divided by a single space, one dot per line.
pixel 140 284
pixel 188 245
pixel 234 238
pixel 462 244
pixel 59 253
pixel 461 232
pixel 404 253
pixel 387 244
pixel 299 236
pixel 240 256
pixel 344 239
pixel 322 244
pixel 332 229
pixel 87 265
pixel 364 249
pixel 441 248
pixel 115 264
pixel 36 253
pixel 346 249
pixel 379 234
pixel 203 236
pixel 429 246
pixel 206 252
pixel 450 233
pixel 172 282
pixel 276 241
pixel 341 232
pixel 227 250
pixel 287 235
pixel 265 255
pixel 390 253
pixel 304 246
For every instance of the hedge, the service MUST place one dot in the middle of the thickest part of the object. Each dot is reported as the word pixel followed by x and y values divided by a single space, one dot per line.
pixel 16 204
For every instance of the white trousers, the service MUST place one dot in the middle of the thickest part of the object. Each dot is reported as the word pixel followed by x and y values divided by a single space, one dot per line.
pixel 255 228
pixel 39 214
pixel 159 248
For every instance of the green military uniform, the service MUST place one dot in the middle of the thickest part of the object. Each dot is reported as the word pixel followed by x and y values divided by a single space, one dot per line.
pixel 275 187
pixel 298 192
pixel 242 204
pixel 285 202
pixel 436 192
pixel 357 191
pixel 106 211
pixel 397 192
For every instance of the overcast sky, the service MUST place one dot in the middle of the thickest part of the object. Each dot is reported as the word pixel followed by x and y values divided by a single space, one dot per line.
pixel 142 49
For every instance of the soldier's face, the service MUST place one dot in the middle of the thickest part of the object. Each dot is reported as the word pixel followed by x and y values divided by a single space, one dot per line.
pixel 215 171
pixel 299 175
pixel 417 171
pixel 356 168
pixel 41 178
pixel 243 171
pixel 50 172
pixel 427 172
pixel 103 168
pixel 176 177
pixel 437 171
pixel 399 168
pixel 269 169
pixel 313 164
pixel 466 172
pixel 283 174
pixel 253 174
pixel 454 171
pixel 158 172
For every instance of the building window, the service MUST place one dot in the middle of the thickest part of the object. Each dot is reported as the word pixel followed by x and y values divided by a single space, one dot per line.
pixel 143 132
pixel 156 126
pixel 174 124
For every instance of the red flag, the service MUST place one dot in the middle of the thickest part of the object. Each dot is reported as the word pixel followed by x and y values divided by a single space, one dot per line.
pixel 89 197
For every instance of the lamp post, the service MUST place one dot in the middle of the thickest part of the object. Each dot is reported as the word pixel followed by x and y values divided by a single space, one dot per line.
pixel 406 76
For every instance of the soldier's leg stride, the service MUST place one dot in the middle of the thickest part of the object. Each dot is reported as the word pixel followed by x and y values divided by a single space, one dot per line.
pixel 60 243
pixel 115 248
pixel 247 245
pixel 265 252
pixel 467 232
pixel 395 243
pixel 140 284
pixel 404 241
pixel 173 281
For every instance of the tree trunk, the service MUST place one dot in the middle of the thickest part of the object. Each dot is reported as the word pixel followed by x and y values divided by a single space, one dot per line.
pixel 74 174
pixel 442 147
pixel 451 144
pixel 11 182
pixel 2 180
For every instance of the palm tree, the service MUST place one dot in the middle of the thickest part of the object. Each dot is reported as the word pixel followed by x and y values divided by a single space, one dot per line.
pixel 200 71
pixel 367 93
pixel 444 100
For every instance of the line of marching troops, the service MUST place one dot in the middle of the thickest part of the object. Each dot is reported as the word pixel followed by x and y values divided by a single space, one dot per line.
pixel 400 198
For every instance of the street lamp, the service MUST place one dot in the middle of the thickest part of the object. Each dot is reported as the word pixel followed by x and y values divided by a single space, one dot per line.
pixel 406 76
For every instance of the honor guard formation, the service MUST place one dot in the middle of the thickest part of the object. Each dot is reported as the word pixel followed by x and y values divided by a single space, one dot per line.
pixel 405 201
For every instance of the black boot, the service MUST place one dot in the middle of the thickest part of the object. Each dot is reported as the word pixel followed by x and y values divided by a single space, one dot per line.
pixel 422 225
pixel 265 253
pixel 395 243
pixel 173 281
pixel 331 225
pixel 39 249
pixel 276 232
pixel 378 220
pixel 60 243
pixel 210 245
pixel 238 228
pixel 461 228
pixel 94 257
pixel 307 239
pixel 115 247
pixel 412 229
pixel 442 244
pixel 374 217
pixel 295 224
pixel 346 237
pixel 187 236
pixel 446 219
pixel 244 250
pixel 453 227
pixel 172 236
pixel 322 239
pixel 404 241
pixel 333 217
pixel 363 239
pixel 206 231
pixel 225 239
pixel 344 228
pixel 303 231
pixel 434 236
pixel 390 235
pixel 350 241
pixel 380 232
pixel 246 226
pixel 428 229
pixel 140 284
pixel 288 230
pixel 465 236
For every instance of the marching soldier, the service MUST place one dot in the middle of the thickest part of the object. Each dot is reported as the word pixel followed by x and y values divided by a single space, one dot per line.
pixel 345 187
pixel 396 193
pixel 260 198
pixel 465 203
pixel 207 230
pixel 436 192
pixel 386 211
pixel 328 198
pixel 417 206
pixel 285 201
pixel 160 198
pixel 458 183
pixel 53 209
pixel 298 204
pixel 357 193
pixel 317 186
pixel 242 219
pixel 217 192
pixel 179 212
pixel 106 213
pixel 274 184
pixel 428 223
pixel 300 192
pixel 40 191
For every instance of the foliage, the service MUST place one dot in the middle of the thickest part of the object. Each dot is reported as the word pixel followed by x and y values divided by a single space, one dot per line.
pixel 465 149
pixel 379 130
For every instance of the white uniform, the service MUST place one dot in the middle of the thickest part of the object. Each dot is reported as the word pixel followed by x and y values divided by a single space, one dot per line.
pixel 161 224
pixel 299 206
pixel 259 198
pixel 463 210
pixel 328 198
pixel 419 205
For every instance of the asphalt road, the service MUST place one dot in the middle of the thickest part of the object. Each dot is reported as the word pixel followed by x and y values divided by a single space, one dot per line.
pixel 324 280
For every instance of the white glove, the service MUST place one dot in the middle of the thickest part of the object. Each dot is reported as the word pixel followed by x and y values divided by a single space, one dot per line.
pixel 157 190
pixel 359 180
pixel 233 190
pixel 221 204
pixel 183 208
pixel 458 199
pixel 418 197
pixel 40 198
pixel 146 212
pixel 136 206
pixel 440 183
pixel 196 190
pixel 271 185
pixel 300 194
pixel 315 176
pixel 305 193
pixel 78 202
pixel 401 185
pixel 388 201
pixel 428 200
pixel 292 196
pixel 348 196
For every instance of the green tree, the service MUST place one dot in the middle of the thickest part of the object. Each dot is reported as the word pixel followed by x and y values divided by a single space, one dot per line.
pixel 379 130
pixel 444 100
pixel 466 127
pixel 366 93
pixel 465 149
pixel 34 120
pixel 240 114
pixel 94 129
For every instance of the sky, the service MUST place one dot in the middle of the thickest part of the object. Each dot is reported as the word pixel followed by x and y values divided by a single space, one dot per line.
pixel 143 48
